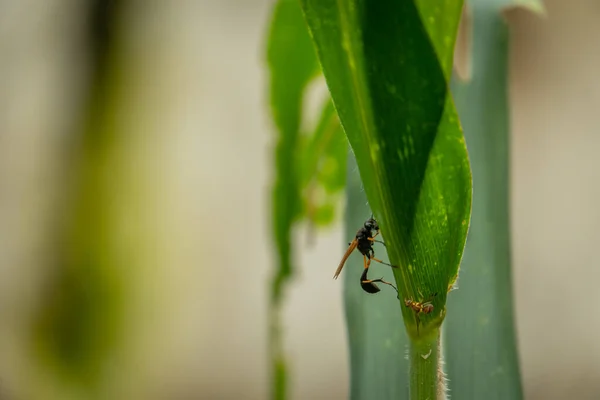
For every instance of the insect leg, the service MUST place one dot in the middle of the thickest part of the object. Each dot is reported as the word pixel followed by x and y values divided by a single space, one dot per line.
pixel 377 241
pixel 379 281
pixel 383 262
pixel 372 239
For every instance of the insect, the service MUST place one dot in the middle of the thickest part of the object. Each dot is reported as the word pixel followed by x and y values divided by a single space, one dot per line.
pixel 369 286
pixel 365 237
pixel 425 307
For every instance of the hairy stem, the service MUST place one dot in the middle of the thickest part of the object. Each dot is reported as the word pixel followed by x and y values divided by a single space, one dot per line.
pixel 424 362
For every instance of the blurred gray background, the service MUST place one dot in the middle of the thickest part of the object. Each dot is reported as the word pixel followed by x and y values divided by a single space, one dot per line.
pixel 200 137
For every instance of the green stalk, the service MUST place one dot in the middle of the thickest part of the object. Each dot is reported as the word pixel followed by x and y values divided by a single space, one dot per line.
pixel 276 354
pixel 424 367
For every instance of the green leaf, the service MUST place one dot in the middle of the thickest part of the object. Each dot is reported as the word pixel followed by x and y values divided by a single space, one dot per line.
pixel 392 97
pixel 310 168
pixel 480 344
pixel 324 167
pixel 388 70
pixel 77 328
pixel 292 64
pixel 535 6
pixel 376 337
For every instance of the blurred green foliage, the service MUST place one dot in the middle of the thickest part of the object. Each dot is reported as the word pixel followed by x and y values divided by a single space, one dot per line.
pixel 78 325
pixel 310 166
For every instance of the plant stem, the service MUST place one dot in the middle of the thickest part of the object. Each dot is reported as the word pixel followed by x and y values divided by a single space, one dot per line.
pixel 424 357
pixel 278 365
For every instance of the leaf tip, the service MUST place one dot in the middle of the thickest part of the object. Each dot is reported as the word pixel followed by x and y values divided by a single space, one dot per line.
pixel 535 6
pixel 463 47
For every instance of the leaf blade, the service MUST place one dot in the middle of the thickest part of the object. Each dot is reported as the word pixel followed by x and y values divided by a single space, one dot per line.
pixel 391 94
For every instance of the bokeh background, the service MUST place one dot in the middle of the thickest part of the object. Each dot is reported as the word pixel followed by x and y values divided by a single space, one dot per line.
pixel 167 159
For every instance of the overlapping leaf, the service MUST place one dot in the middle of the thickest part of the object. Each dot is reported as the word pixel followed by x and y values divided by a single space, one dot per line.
pixel 481 354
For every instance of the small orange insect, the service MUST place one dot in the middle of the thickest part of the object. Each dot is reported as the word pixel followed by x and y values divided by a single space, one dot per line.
pixel 365 237
pixel 425 307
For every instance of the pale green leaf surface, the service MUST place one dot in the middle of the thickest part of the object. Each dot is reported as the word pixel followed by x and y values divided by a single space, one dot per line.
pixel 535 6
pixel 480 346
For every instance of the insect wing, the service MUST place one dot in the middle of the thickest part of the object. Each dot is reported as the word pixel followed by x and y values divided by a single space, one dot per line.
pixel 351 248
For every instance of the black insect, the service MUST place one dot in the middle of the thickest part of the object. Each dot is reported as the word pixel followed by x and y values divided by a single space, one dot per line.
pixel 369 286
pixel 365 237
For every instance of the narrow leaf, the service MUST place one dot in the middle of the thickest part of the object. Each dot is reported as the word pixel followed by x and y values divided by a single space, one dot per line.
pixel 535 6
pixel 482 358
pixel 324 167
pixel 292 64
